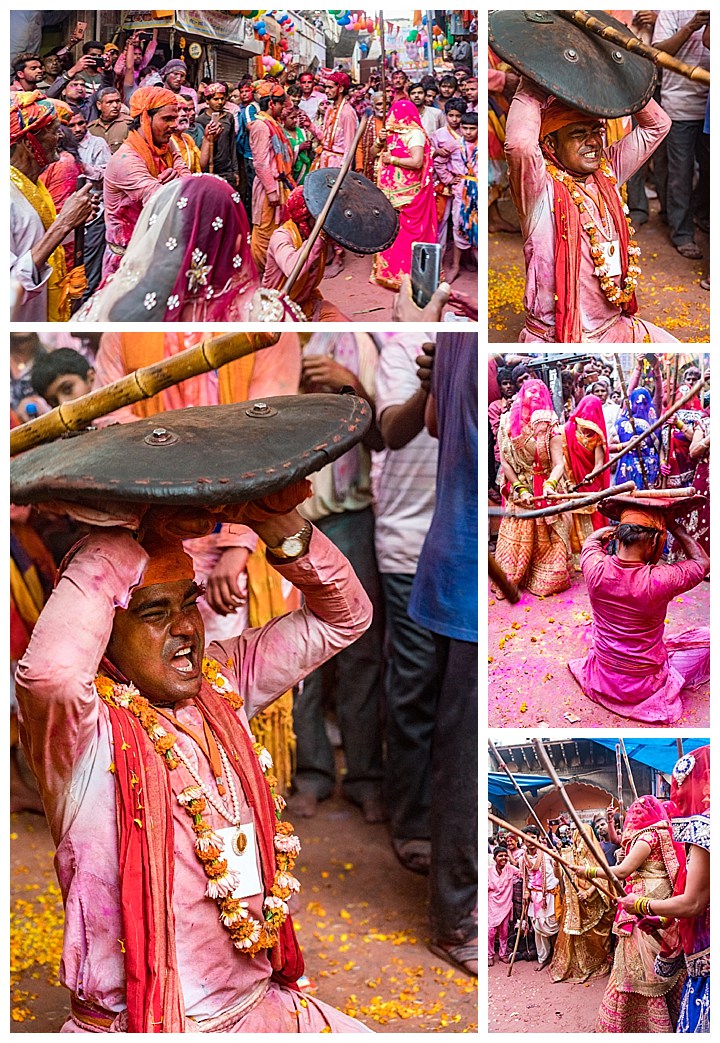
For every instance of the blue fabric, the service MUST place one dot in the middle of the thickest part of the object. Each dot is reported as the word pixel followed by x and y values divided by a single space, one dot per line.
pixel 695 1006
pixel 658 753
pixel 445 592
pixel 246 115
pixel 628 468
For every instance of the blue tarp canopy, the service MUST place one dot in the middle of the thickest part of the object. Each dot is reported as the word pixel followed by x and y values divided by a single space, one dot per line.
pixel 499 784
pixel 660 754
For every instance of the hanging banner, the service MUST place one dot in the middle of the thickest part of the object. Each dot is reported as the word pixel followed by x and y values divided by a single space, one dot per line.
pixel 213 25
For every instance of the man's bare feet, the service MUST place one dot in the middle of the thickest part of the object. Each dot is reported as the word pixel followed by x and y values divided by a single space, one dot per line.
pixel 452 273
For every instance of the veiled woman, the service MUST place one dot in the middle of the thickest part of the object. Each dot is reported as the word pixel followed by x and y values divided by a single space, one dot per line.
pixel 629 468
pixel 188 261
pixel 636 998
pixel 582 947
pixel 404 173
pixel 585 447
pixel 535 552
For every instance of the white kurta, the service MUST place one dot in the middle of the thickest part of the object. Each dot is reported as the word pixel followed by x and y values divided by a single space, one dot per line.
pixel 28 290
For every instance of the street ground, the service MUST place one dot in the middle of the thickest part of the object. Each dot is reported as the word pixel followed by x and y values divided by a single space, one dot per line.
pixel 361 920
pixel 361 300
pixel 669 293
pixel 530 643
pixel 529 1001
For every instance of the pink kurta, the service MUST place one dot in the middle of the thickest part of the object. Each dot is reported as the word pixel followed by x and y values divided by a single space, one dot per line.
pixel 532 192
pixel 500 893
pixel 338 131
pixel 631 670
pixel 128 186
pixel 67 739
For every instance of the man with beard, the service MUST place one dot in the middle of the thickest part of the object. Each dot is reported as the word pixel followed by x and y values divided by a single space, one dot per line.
pixel 37 258
pixel 338 131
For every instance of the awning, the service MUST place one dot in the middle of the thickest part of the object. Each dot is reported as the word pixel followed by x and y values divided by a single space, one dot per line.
pixel 499 784
pixel 660 754
pixel 229 29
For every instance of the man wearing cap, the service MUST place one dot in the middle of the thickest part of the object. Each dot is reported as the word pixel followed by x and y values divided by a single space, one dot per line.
pixel 37 257
pixel 174 76
pixel 146 159
pixel 173 860
pixel 220 129
pixel 581 258
pixel 273 161
pixel 286 245
pixel 631 669
pixel 340 124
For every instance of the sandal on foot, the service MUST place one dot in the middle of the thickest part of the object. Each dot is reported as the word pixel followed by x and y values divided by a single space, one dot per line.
pixel 413 855
pixel 690 250
pixel 463 957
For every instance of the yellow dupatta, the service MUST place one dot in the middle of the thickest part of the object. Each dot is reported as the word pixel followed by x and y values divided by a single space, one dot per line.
pixel 58 308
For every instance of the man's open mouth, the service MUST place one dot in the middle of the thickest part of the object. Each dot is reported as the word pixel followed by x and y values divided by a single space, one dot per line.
pixel 591 155
pixel 184 660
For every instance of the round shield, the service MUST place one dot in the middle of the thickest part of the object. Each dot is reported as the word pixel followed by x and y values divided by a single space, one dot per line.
pixel 361 217
pixel 582 69
pixel 210 455
pixel 672 506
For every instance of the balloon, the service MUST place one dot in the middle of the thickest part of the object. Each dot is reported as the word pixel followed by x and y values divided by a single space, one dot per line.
pixel 369 25
pixel 345 20
pixel 267 61
pixel 276 68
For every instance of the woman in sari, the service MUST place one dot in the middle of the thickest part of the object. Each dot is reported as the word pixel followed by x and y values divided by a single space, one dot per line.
pixel 534 553
pixel 699 524
pixel 582 948
pixel 188 261
pixel 405 175
pixel 636 998
pixel 585 447
pixel 629 468
pixel 686 941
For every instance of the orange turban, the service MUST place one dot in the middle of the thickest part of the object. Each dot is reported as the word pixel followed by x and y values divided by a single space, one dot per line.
pixel 269 87
pixel 63 111
pixel 168 561
pixel 649 517
pixel 29 111
pixel 141 103
pixel 146 98
pixel 557 114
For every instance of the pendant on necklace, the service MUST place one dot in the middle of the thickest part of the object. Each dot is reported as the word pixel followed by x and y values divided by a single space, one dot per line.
pixel 239 842
pixel 220 785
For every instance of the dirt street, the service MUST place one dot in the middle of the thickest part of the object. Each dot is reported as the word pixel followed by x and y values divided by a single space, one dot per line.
pixel 669 293
pixel 530 643
pixel 361 921
pixel 529 1001
pixel 362 301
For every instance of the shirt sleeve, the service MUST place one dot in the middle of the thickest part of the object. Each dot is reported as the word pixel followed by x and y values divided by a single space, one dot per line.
pixel 671 580
pixel 629 154
pixel 271 659
pixel 264 167
pixel 23 270
pixel 55 678
pixel 526 166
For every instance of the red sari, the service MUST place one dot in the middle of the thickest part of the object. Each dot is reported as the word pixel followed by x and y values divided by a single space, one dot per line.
pixel 411 192
pixel 584 431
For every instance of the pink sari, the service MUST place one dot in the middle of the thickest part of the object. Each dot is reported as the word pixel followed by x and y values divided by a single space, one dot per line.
pixel 411 192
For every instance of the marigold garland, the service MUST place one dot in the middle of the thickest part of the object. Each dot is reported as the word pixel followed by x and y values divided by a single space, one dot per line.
pixel 248 935
pixel 614 293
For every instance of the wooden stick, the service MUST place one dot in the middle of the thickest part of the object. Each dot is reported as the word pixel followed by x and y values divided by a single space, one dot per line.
pixel 142 383
pixel 524 799
pixel 562 508
pixel 523 914
pixel 321 217
pixel 499 578
pixel 679 744
pixel 635 442
pixel 631 780
pixel 644 494
pixel 383 76
pixel 618 772
pixel 628 406
pixel 545 850
pixel 590 843
pixel 630 42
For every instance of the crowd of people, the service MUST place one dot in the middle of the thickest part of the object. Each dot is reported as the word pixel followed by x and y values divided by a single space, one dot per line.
pixel 546 448
pixel 106 223
pixel 577 186
pixel 380 545
pixel 653 940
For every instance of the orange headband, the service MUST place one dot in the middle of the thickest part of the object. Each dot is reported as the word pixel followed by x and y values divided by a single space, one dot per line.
pixel 647 516
pixel 557 115
pixel 168 561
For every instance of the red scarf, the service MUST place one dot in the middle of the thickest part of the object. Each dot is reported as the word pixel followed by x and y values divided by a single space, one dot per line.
pixel 146 860
pixel 568 229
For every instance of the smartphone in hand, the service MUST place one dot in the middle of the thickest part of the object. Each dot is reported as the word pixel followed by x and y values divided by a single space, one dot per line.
pixel 424 272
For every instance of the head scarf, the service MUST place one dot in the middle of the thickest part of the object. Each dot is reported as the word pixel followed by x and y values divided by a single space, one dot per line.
pixel 557 114
pixel 649 813
pixel 587 417
pixel 30 111
pixel 297 211
pixel 401 186
pixel 340 78
pixel 642 407
pixel 168 561
pixel 532 397
pixel 188 259
pixel 215 88
pixel 172 66
pixel 265 88
pixel 143 101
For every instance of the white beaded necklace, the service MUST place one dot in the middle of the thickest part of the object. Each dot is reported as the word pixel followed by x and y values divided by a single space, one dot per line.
pixel 215 800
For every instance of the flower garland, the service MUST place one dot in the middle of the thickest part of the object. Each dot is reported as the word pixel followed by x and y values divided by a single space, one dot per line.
pixel 614 293
pixel 248 935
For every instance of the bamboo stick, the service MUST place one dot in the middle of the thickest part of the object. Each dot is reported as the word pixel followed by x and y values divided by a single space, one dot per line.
pixel 590 843
pixel 545 850
pixel 618 773
pixel 499 578
pixel 523 914
pixel 630 42
pixel 524 799
pixel 635 442
pixel 142 383
pixel 562 508
pixel 322 216
pixel 629 769
pixel 679 744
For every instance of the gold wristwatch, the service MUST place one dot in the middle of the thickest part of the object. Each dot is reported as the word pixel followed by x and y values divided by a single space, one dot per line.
pixel 293 546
